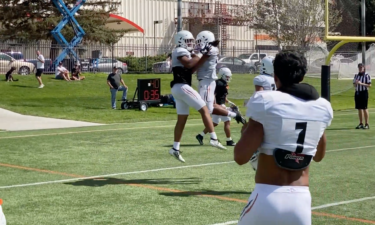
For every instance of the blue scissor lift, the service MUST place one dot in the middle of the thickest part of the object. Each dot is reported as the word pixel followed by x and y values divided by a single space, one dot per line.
pixel 68 17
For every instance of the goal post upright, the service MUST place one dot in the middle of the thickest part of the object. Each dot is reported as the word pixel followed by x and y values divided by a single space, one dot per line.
pixel 326 69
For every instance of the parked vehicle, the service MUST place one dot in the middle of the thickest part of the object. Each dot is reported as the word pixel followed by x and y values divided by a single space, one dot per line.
pixel 252 58
pixel 48 65
pixel 15 55
pixel 162 67
pixel 106 65
pixel 236 65
pixel 6 62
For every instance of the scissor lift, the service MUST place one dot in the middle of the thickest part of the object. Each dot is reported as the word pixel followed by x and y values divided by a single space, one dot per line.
pixel 68 17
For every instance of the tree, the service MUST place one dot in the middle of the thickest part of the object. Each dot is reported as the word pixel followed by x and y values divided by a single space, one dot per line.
pixel 33 20
pixel 293 22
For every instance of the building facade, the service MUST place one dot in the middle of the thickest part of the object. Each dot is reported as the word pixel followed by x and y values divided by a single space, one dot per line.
pixel 227 19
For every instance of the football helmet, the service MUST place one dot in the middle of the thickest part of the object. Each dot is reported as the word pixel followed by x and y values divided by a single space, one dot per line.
pixel 184 39
pixel 225 74
pixel 267 65
pixel 205 37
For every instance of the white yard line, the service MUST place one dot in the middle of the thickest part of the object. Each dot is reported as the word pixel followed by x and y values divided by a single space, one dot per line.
pixel 148 171
pixel 92 131
pixel 345 149
pixel 343 202
pixel 316 207
pixel 115 174
pixel 115 129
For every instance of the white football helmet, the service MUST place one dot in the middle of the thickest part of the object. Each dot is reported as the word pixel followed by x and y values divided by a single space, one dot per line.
pixel 225 74
pixel 267 65
pixel 184 39
pixel 205 37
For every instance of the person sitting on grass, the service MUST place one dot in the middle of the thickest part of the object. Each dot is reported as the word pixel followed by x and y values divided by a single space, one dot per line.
pixel 76 73
pixel 9 76
pixel 62 73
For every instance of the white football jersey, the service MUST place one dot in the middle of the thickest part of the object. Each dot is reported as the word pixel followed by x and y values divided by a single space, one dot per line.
pixel 178 52
pixel 289 123
pixel 265 81
pixel 208 69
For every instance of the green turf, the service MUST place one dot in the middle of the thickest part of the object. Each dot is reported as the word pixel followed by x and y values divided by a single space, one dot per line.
pixel 155 197
pixel 168 196
pixel 89 100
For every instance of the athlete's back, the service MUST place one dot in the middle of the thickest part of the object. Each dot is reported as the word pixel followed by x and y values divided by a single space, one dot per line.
pixel 289 123
pixel 288 127
pixel 208 69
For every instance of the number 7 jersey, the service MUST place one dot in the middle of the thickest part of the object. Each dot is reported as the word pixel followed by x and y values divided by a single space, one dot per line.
pixel 289 123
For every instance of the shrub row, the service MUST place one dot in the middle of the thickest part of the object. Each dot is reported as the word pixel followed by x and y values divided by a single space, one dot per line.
pixel 141 64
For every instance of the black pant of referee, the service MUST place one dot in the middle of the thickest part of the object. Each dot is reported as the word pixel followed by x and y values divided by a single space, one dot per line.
pixel 361 101
pixel 362 81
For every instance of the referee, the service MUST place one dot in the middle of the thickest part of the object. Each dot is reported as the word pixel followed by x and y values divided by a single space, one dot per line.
pixel 361 82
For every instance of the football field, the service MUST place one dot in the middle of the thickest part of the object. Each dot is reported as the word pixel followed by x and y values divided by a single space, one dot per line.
pixel 123 174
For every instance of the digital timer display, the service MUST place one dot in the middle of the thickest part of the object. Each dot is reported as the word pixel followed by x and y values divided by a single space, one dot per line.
pixel 148 89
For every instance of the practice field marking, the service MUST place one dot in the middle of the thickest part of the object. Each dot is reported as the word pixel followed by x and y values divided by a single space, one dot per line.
pixel 179 191
pixel 140 171
pixel 218 197
pixel 327 214
pixel 114 174
pixel 114 129
pixel 92 131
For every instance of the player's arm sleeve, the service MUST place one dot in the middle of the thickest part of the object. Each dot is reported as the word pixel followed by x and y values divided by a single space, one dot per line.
pixel 213 51
pixel 256 108
pixel 182 52
pixel 329 114
pixel 258 81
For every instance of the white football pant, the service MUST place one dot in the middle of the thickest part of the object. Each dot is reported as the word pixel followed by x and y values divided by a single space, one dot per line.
pixel 185 97
pixel 277 205
pixel 216 118
pixel 207 92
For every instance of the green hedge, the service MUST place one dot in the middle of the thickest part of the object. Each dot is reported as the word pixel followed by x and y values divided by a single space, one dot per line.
pixel 138 64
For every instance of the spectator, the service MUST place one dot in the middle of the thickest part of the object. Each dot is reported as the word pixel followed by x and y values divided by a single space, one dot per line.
pixel 114 82
pixel 62 73
pixel 9 76
pixel 76 73
pixel 362 82
pixel 39 68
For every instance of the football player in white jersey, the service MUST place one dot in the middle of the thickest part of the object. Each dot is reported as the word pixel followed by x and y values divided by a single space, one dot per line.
pixel 221 92
pixel 183 65
pixel 263 82
pixel 206 75
pixel 288 127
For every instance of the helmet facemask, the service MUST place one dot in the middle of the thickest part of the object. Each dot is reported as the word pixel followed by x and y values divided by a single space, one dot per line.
pixel 189 44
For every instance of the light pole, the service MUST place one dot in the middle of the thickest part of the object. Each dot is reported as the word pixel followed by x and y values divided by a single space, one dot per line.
pixel 156 22
pixel 179 16
pixel 363 26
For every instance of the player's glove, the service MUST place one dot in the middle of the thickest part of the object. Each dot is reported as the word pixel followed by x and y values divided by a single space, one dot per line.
pixel 206 49
pixel 232 104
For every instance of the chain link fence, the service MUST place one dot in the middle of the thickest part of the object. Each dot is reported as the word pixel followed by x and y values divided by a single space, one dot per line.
pixel 135 59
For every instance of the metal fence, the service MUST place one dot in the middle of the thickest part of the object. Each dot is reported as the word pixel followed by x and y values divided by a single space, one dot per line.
pixel 133 58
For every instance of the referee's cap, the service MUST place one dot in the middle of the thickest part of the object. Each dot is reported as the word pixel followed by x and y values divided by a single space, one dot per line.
pixel 360 65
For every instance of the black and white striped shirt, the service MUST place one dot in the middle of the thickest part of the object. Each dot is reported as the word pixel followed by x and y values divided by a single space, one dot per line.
pixel 365 79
